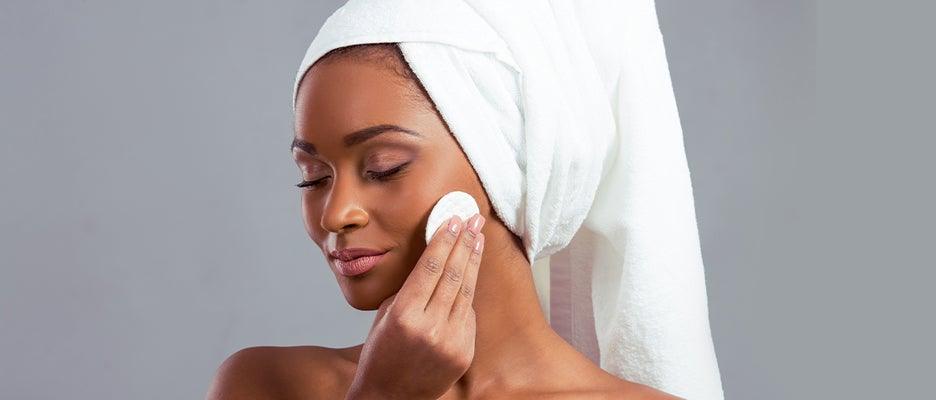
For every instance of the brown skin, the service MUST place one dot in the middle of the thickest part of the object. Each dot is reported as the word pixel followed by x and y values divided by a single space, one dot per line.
pixel 516 354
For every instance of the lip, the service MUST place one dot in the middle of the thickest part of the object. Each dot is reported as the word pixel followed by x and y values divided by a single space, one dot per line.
pixel 348 254
pixel 356 261
pixel 357 266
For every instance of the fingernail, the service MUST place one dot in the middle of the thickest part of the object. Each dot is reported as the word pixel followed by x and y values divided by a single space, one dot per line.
pixel 475 224
pixel 479 244
pixel 454 224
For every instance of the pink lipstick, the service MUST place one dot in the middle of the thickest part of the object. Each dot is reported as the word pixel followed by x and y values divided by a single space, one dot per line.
pixel 356 261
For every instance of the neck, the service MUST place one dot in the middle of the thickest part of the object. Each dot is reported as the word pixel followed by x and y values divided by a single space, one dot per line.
pixel 513 335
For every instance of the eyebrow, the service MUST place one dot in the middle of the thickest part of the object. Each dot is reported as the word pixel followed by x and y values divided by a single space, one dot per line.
pixel 356 137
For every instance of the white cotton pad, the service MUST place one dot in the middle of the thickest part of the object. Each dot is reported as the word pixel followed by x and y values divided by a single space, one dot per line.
pixel 453 203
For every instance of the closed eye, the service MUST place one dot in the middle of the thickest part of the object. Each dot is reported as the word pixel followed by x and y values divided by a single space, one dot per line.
pixel 381 176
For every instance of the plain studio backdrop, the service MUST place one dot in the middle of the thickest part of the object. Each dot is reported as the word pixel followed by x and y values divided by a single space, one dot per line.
pixel 150 226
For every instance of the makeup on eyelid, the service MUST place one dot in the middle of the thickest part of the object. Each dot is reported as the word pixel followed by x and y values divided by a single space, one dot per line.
pixel 381 175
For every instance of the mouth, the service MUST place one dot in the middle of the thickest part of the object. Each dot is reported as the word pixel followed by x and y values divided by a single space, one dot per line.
pixel 357 261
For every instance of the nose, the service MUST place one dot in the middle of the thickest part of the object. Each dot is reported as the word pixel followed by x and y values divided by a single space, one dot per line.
pixel 343 211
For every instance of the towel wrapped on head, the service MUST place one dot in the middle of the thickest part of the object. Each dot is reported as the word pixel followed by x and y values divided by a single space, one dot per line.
pixel 566 111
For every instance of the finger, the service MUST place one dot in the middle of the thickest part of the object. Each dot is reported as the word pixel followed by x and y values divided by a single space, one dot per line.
pixel 466 294
pixel 440 304
pixel 422 280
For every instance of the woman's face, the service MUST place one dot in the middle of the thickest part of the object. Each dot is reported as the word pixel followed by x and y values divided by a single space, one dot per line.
pixel 373 190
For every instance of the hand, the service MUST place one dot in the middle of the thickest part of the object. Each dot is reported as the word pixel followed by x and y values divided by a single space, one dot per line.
pixel 422 338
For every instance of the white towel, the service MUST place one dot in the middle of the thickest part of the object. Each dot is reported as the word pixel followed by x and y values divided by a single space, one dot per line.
pixel 566 111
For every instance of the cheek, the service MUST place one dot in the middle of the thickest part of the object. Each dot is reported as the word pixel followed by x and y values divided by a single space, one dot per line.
pixel 311 216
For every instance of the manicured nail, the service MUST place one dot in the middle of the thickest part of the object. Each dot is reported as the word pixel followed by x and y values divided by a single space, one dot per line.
pixel 477 221
pixel 454 224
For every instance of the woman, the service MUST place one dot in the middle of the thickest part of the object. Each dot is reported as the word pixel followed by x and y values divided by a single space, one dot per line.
pixel 375 192
pixel 559 119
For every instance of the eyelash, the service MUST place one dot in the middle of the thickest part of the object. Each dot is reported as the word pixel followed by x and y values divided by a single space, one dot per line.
pixel 379 176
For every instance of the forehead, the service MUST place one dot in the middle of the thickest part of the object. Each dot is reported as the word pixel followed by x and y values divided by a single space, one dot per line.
pixel 344 95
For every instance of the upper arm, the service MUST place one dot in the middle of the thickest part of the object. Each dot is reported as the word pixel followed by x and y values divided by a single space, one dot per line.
pixel 241 376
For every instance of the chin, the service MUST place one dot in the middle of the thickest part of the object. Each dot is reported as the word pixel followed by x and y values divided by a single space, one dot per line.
pixel 363 305
pixel 368 291
pixel 364 294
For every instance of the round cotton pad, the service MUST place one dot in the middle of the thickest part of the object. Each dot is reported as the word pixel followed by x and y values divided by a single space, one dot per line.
pixel 453 203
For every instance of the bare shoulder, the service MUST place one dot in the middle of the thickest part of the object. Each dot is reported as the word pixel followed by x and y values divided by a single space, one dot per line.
pixel 633 390
pixel 596 384
pixel 630 391
pixel 277 372
pixel 610 386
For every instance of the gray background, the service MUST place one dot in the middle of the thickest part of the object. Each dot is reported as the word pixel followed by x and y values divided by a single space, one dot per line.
pixel 150 226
